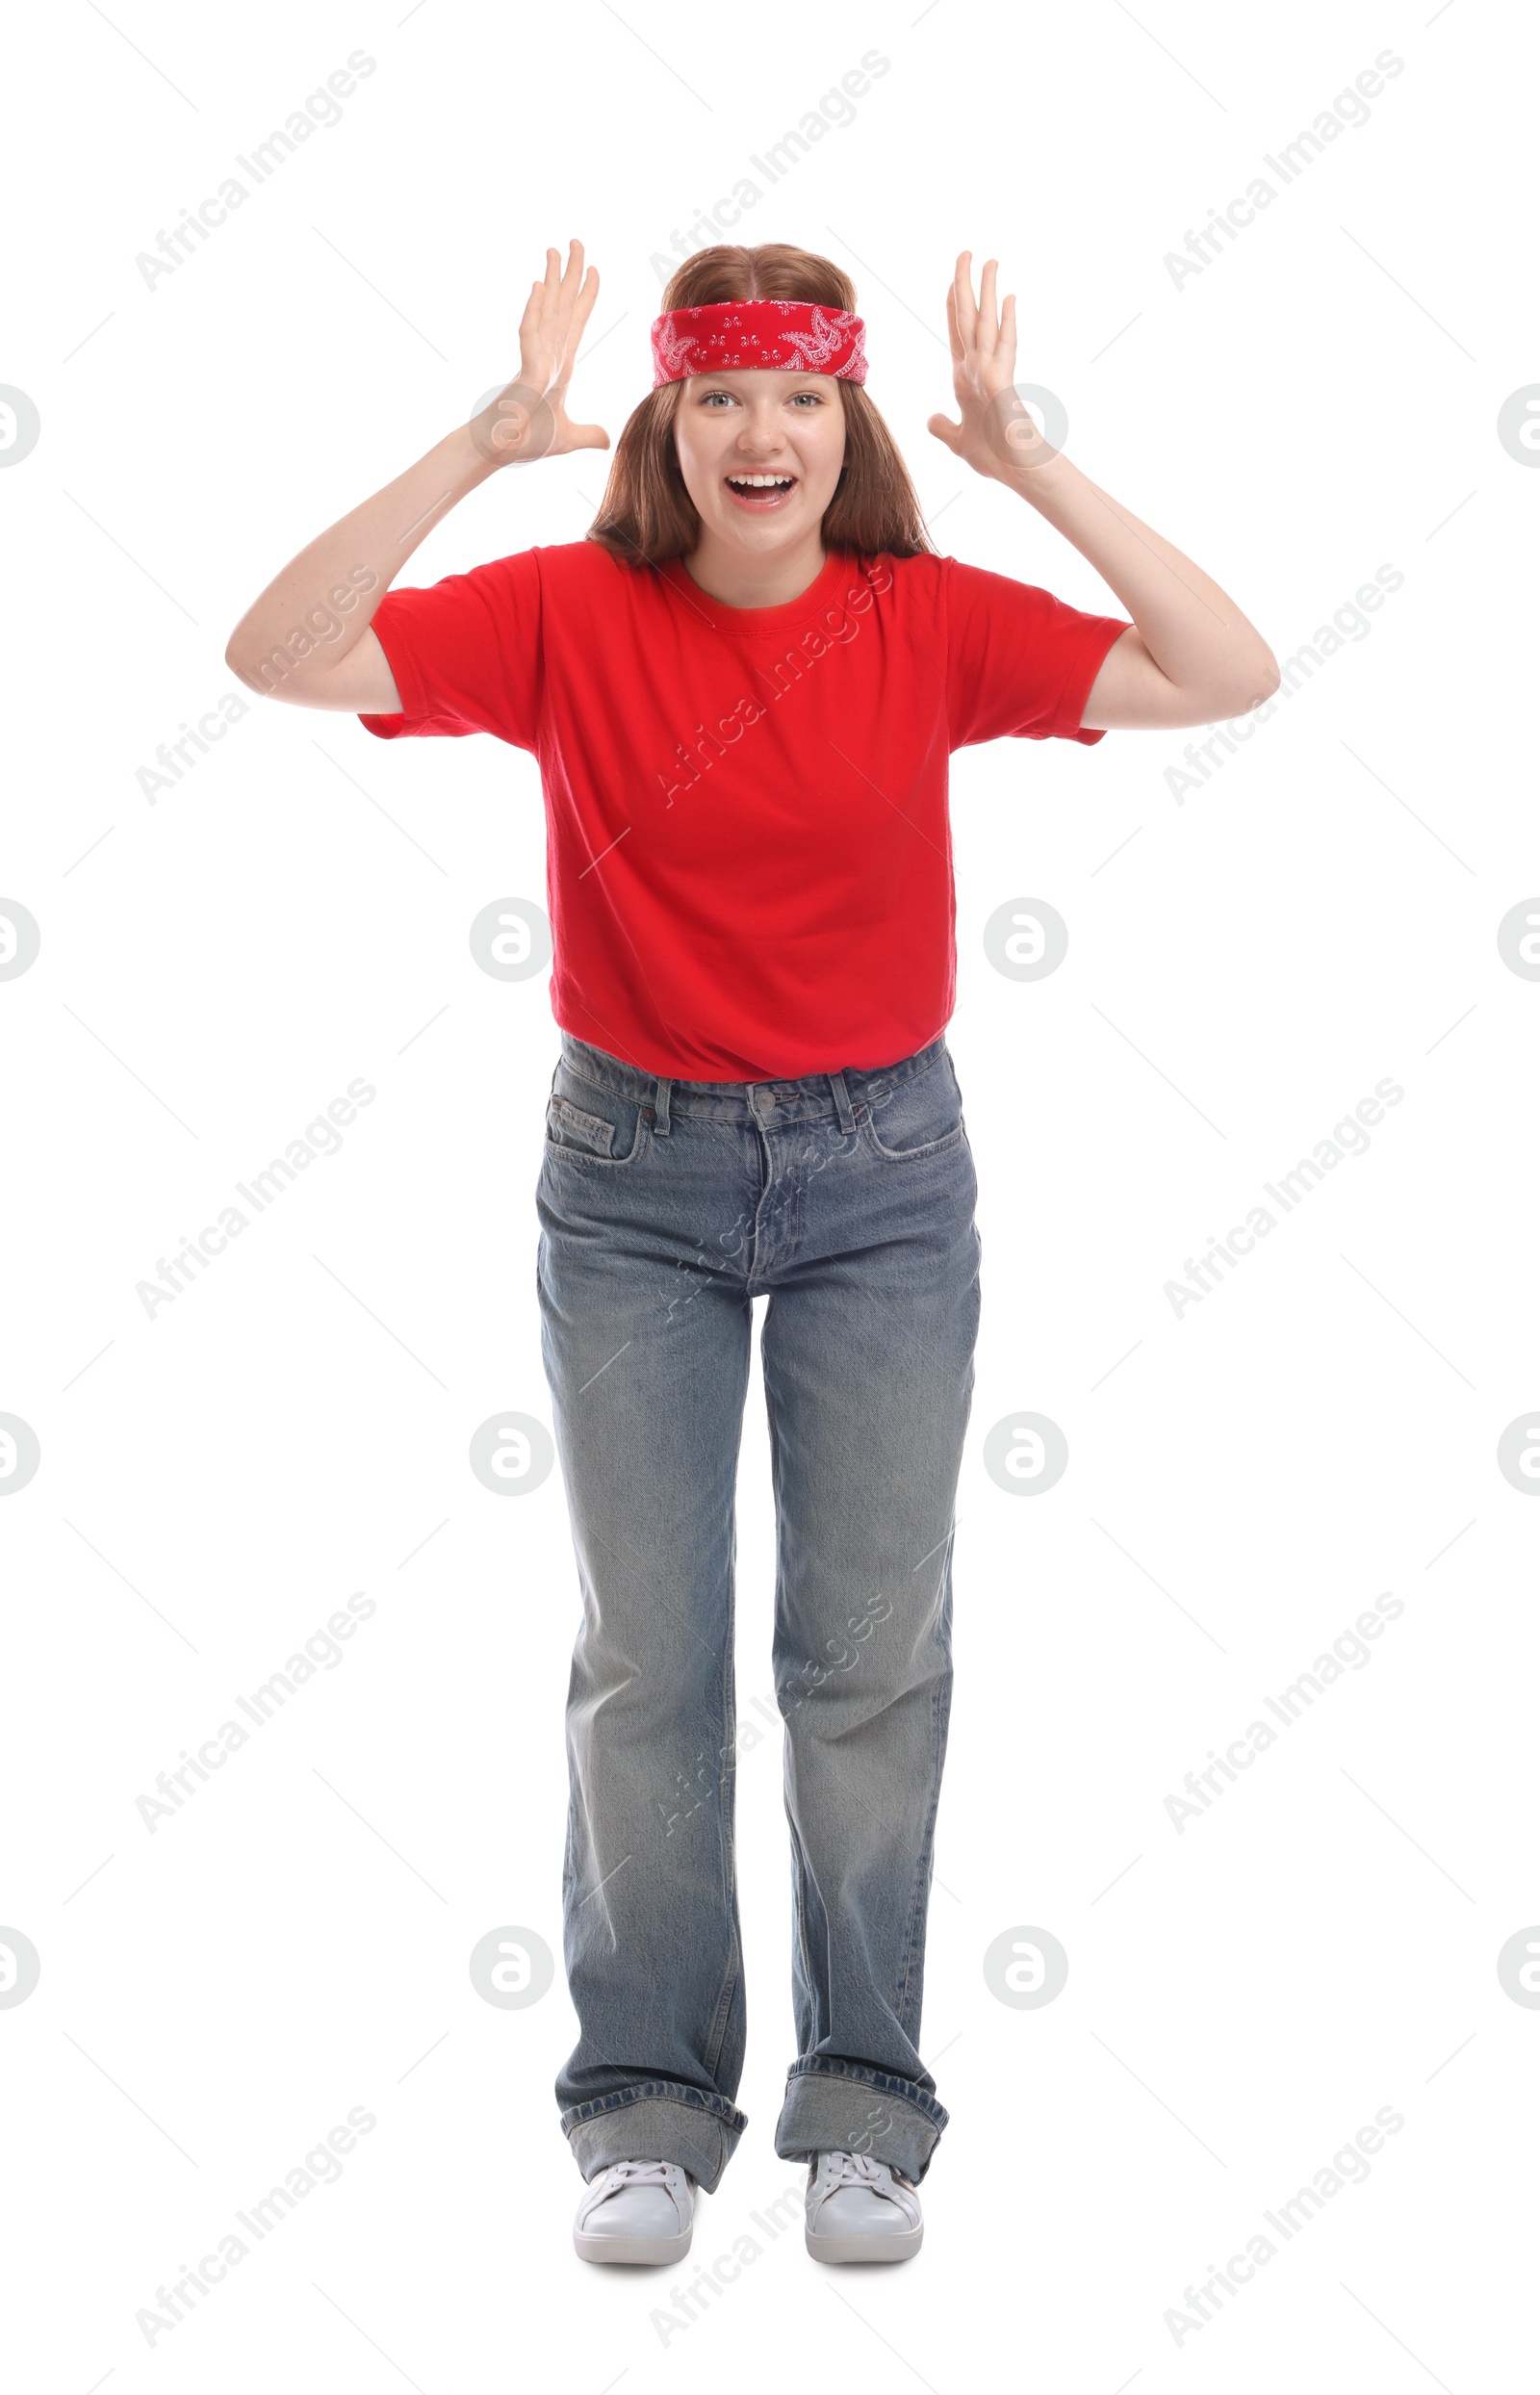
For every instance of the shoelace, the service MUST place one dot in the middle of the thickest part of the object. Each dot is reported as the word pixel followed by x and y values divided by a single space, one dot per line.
pixel 620 2175
pixel 855 2170
pixel 860 2170
pixel 639 2174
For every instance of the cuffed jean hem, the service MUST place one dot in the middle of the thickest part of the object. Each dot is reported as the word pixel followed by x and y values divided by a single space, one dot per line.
pixel 656 2121
pixel 843 2107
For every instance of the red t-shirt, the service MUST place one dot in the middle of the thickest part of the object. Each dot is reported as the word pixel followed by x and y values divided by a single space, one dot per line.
pixel 749 863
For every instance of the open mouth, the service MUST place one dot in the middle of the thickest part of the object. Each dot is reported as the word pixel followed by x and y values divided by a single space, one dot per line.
pixel 761 491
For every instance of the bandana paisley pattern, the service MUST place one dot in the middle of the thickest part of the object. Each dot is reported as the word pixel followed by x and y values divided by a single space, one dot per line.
pixel 794 336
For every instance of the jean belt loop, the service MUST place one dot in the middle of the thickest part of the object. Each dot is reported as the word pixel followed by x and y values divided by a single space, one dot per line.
pixel 843 1108
pixel 660 1109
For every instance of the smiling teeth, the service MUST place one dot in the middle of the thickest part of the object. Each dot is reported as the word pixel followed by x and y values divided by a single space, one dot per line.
pixel 760 481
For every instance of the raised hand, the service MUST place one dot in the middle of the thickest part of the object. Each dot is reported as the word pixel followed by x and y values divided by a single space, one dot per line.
pixel 529 419
pixel 997 436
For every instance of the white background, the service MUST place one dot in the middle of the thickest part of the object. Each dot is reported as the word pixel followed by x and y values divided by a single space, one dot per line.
pixel 1243 1479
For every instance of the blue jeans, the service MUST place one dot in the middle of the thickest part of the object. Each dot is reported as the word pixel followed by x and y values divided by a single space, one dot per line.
pixel 665 1207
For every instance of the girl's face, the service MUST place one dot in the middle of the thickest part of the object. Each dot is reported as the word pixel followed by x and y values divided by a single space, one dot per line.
pixel 760 453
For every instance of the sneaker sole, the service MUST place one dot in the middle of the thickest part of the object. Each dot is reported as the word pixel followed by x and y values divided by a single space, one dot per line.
pixel 880 2245
pixel 594 2248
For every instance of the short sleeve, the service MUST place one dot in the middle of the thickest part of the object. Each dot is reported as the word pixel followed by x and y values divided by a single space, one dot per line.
pixel 466 653
pixel 1019 663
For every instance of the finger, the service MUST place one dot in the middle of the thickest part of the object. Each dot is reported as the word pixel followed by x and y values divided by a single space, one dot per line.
pixel 589 436
pixel 1007 350
pixel 963 300
pixel 584 308
pixel 529 322
pixel 953 335
pixel 963 294
pixel 572 332
pixel 571 283
pixel 550 291
pixel 988 325
pixel 945 430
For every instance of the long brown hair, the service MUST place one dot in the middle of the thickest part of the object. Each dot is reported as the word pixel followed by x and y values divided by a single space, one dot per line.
pixel 647 515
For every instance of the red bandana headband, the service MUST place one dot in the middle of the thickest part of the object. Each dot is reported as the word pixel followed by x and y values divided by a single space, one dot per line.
pixel 794 336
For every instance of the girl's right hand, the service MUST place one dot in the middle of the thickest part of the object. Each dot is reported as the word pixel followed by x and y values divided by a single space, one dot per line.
pixel 529 419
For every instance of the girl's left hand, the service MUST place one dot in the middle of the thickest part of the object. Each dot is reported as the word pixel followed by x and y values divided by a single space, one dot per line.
pixel 996 435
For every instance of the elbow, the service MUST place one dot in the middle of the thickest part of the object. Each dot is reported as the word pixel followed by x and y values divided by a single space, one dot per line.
pixel 1249 684
pixel 1268 679
pixel 240 659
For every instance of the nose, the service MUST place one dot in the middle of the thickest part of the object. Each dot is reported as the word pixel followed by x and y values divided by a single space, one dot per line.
pixel 761 439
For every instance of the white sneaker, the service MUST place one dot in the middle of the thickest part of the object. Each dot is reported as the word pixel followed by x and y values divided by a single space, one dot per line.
pixel 636 2212
pixel 861 2211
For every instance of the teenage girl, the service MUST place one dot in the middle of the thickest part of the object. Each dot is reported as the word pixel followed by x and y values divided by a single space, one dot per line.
pixel 742 687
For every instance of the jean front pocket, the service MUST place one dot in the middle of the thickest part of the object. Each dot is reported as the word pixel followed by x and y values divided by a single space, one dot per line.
pixel 587 1125
pixel 919 1114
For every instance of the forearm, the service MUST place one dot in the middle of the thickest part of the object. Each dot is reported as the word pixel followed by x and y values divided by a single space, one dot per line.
pixel 326 596
pixel 1194 632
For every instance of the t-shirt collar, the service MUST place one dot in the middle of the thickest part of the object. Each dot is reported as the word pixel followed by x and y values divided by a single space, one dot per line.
pixel 748 622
